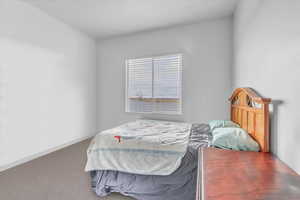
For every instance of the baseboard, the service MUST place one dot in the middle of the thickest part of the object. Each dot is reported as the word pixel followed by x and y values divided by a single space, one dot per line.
pixel 43 153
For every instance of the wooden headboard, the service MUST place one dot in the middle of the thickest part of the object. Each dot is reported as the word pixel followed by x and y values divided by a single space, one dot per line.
pixel 251 112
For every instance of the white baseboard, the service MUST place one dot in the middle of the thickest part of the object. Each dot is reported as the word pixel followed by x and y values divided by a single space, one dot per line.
pixel 43 153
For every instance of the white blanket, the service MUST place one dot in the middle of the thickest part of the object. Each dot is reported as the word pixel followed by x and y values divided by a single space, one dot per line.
pixel 148 147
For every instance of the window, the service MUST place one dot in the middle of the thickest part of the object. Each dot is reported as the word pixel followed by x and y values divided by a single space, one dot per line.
pixel 153 85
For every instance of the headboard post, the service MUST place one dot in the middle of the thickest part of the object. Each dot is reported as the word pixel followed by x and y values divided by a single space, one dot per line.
pixel 266 114
pixel 251 112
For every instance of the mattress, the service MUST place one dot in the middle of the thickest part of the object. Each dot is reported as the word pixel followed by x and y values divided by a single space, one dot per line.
pixel 181 184
pixel 146 147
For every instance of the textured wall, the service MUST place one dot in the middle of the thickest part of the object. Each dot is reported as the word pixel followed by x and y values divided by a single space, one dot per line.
pixel 207 54
pixel 266 51
pixel 47 83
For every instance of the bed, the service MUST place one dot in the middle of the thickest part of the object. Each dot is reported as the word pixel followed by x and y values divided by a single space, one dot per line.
pixel 248 109
pixel 251 112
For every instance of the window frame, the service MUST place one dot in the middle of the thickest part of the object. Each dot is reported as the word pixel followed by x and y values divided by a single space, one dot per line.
pixel 180 76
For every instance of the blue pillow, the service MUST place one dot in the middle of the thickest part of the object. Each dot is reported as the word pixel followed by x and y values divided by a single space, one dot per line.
pixel 234 139
pixel 222 124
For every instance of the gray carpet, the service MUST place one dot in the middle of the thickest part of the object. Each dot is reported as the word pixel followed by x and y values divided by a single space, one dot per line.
pixel 57 176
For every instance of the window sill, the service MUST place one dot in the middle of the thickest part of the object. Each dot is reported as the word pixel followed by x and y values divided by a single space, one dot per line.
pixel 156 113
pixel 174 100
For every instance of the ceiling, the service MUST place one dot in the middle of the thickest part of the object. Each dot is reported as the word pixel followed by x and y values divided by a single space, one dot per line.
pixel 107 18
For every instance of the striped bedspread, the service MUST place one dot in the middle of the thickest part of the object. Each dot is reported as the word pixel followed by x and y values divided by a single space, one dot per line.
pixel 148 147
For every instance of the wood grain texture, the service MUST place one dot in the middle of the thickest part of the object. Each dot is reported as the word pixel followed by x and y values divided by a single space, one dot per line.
pixel 251 112
pixel 236 175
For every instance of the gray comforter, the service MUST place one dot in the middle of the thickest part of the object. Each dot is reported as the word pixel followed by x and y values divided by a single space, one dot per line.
pixel 180 185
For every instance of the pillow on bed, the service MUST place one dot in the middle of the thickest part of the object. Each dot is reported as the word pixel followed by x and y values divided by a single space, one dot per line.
pixel 222 124
pixel 234 139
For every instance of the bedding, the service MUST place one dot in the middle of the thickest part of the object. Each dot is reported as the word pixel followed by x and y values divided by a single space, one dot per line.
pixel 234 139
pixel 147 147
pixel 179 185
pixel 222 124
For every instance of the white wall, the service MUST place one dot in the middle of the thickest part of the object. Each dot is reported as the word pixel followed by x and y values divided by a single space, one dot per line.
pixel 47 83
pixel 207 53
pixel 267 58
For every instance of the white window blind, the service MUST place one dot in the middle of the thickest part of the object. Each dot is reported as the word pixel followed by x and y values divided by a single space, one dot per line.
pixel 154 84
